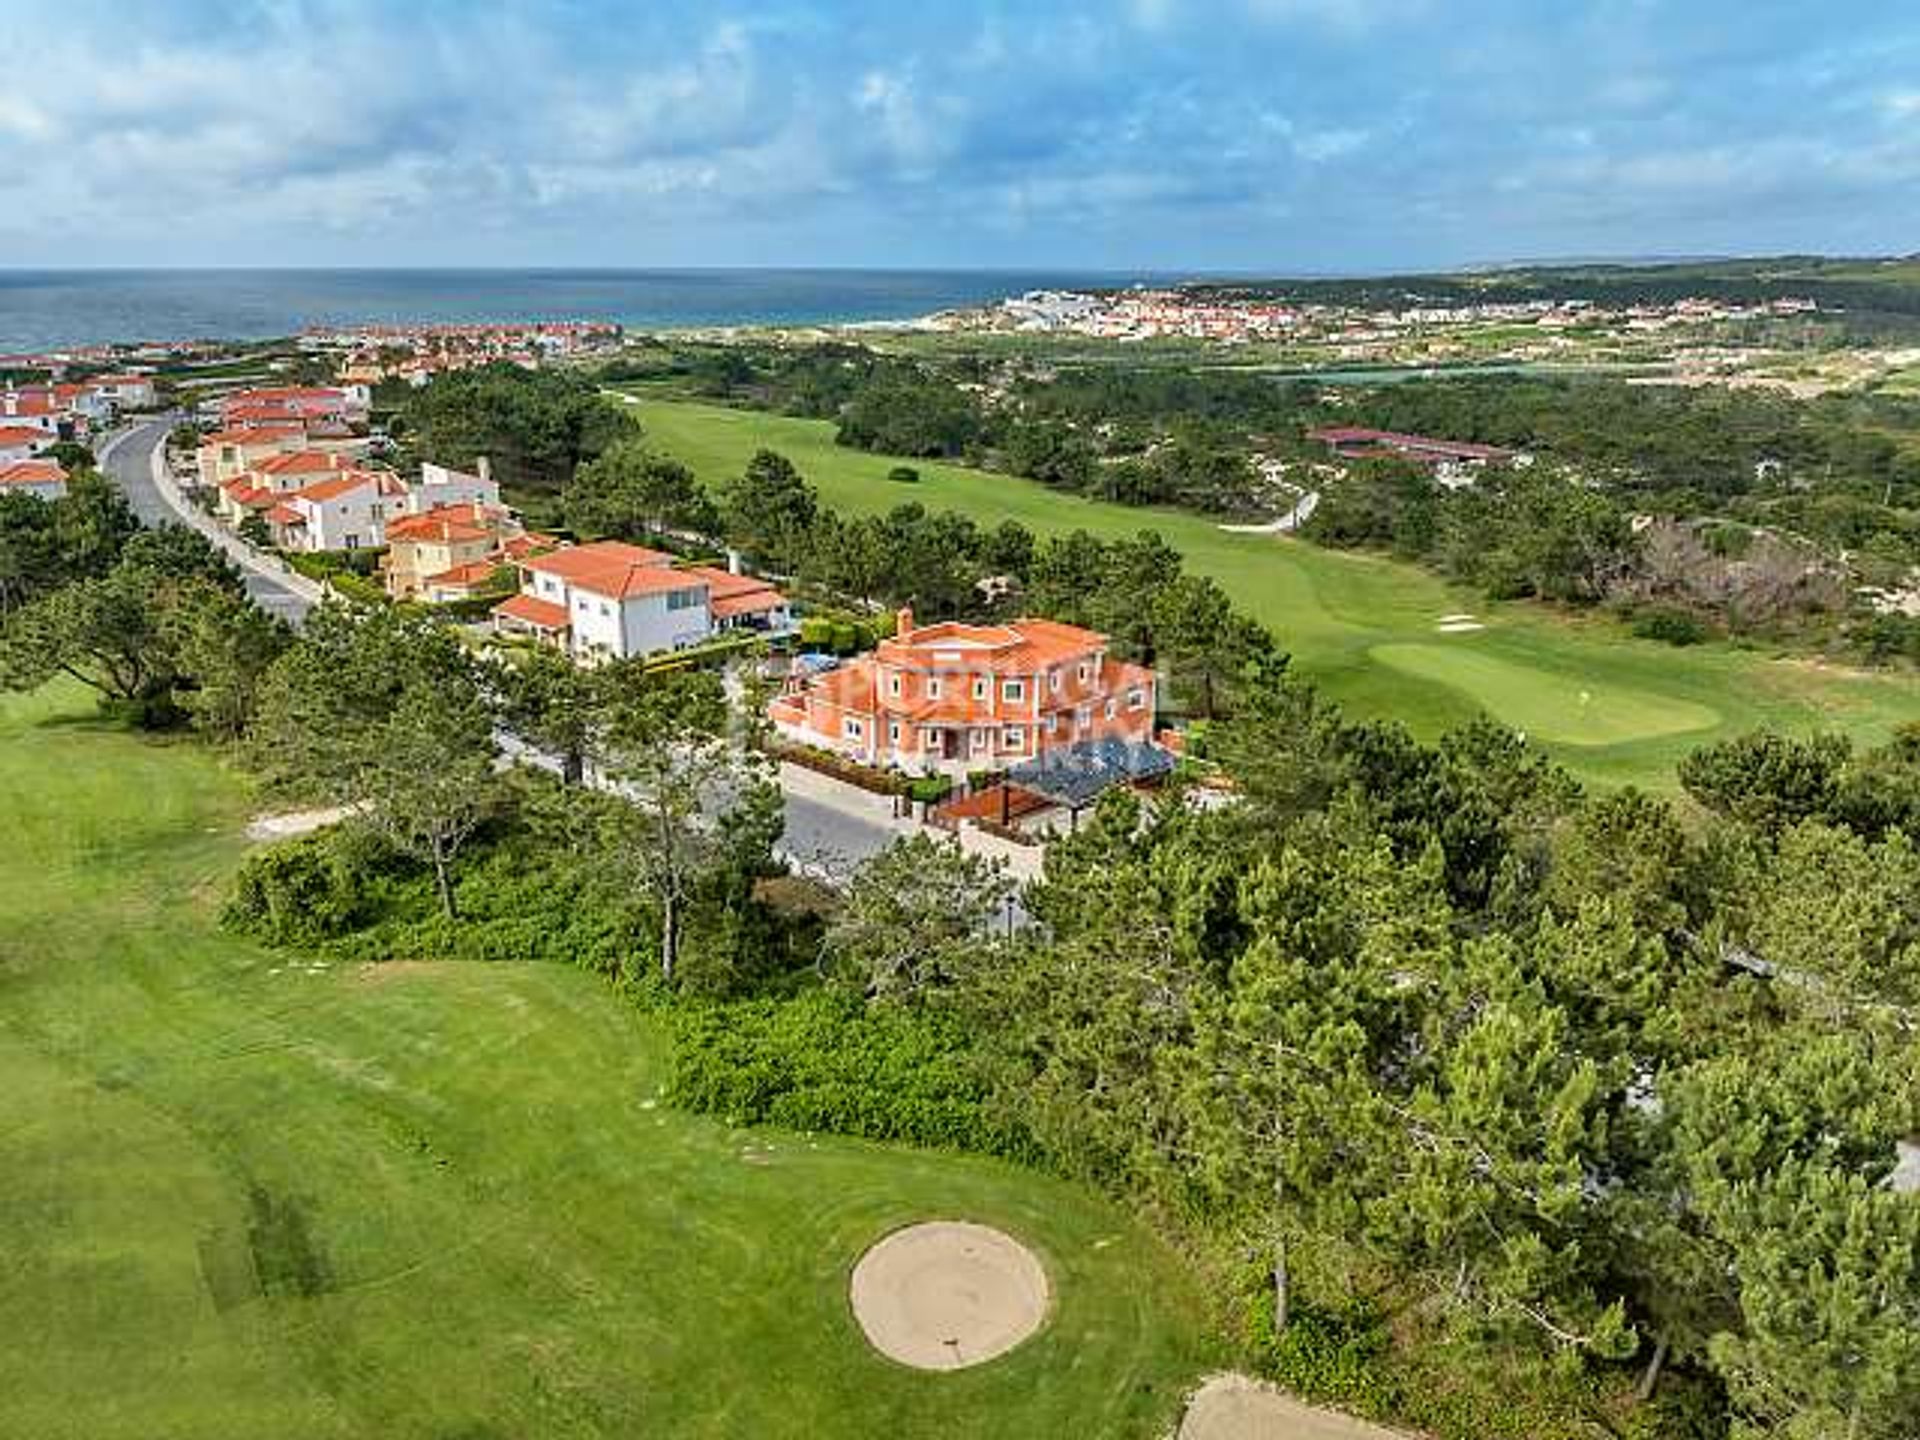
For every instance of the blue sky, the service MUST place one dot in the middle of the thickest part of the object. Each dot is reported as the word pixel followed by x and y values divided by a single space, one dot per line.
pixel 1276 135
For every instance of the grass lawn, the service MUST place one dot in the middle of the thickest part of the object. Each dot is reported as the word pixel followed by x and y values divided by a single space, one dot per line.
pixel 1614 708
pixel 248 1196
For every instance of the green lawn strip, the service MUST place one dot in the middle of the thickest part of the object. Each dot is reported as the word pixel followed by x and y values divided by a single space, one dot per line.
pixel 264 1197
pixel 1334 610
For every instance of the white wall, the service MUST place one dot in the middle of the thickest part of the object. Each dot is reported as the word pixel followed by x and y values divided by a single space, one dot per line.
pixel 440 486
pixel 358 515
pixel 649 625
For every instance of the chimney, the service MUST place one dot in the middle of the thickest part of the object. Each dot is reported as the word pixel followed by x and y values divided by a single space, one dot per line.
pixel 903 620
pixel 483 467
pixel 734 565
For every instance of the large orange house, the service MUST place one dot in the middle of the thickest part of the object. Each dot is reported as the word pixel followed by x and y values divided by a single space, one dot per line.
pixel 952 697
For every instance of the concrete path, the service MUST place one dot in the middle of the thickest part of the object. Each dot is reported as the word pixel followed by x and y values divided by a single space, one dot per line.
pixel 832 825
pixel 136 460
pixel 1301 512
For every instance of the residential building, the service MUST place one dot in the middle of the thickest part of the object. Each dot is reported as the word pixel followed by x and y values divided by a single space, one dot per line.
pixel 611 600
pixel 125 392
pixel 1453 462
pixel 953 697
pixel 22 442
pixel 43 479
pixel 228 454
pixel 452 552
pixel 295 404
pixel 256 489
pixel 439 487
pixel 38 408
pixel 346 512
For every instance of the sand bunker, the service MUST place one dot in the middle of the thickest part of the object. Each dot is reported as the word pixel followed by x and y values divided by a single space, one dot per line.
pixel 295 822
pixel 1457 624
pixel 1232 1407
pixel 948 1294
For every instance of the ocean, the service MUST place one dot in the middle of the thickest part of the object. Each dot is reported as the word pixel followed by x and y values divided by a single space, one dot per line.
pixel 49 309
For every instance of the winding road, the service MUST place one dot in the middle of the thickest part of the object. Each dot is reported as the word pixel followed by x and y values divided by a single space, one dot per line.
pixel 135 461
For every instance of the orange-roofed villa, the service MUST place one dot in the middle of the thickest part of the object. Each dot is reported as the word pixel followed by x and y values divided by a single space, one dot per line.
pixel 953 697
pixel 612 601
pixel 453 552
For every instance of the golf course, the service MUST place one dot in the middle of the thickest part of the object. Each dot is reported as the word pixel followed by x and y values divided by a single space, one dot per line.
pixel 248 1194
pixel 1385 639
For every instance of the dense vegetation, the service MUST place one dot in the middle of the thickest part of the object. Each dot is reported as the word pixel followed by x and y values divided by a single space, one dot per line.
pixel 533 426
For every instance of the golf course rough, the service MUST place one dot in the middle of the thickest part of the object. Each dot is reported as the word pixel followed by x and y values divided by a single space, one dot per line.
pixel 250 1193
pixel 946 1294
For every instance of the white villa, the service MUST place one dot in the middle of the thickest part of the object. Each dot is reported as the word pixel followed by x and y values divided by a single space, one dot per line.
pixel 611 600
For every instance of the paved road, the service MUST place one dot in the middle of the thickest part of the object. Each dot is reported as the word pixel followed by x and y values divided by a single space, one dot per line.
pixel 129 459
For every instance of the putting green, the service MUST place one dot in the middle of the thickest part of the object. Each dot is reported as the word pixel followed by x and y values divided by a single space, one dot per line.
pixel 1566 710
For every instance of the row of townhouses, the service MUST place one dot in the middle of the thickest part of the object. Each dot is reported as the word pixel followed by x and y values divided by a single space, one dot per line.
pixel 35 418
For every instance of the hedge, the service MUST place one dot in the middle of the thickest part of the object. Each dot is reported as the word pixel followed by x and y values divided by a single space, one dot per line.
pixel 823 1060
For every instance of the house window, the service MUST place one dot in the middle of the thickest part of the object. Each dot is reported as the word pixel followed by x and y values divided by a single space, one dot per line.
pixel 605 608
pixel 684 599
pixel 1013 737
pixel 979 689
pixel 1013 690
pixel 1136 699
pixel 1053 724
pixel 1082 673
pixel 353 542
pixel 852 729
pixel 1110 709
pixel 893 731
pixel 1053 681
pixel 933 687
pixel 893 686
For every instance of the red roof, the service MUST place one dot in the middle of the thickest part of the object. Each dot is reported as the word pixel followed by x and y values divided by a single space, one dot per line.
pixel 1020 647
pixel 448 524
pixel 615 569
pixel 255 435
pixel 286 515
pixel 1419 446
pixel 534 611
pixel 31 472
pixel 466 576
pixel 24 435
pixel 299 462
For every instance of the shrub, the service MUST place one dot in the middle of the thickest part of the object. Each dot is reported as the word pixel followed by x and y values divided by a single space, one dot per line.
pixel 1328 1355
pixel 930 789
pixel 307 890
pixel 904 475
pixel 1675 627
pixel 511 907
pixel 821 1060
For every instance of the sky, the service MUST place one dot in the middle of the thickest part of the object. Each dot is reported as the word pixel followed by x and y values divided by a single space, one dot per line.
pixel 1282 136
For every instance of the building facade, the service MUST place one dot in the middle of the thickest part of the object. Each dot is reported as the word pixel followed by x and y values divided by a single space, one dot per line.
pixel 614 601
pixel 951 697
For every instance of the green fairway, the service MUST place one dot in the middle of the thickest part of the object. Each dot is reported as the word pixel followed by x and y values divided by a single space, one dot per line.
pixel 247 1196
pixel 1367 628
pixel 1551 709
